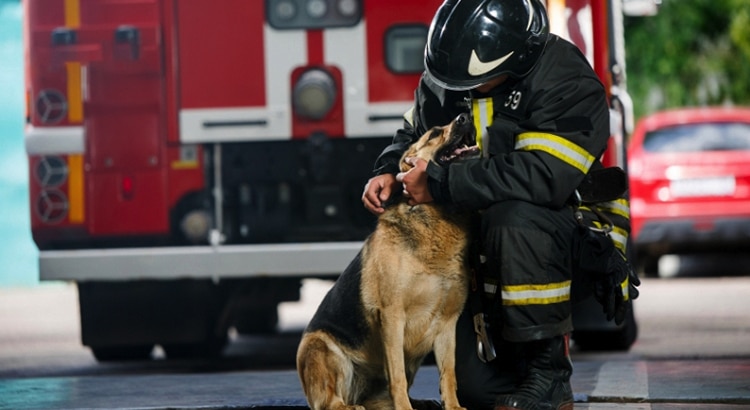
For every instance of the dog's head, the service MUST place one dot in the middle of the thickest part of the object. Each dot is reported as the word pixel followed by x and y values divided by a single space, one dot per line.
pixel 444 145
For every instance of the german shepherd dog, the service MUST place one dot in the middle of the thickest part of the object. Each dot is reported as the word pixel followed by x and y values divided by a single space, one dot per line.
pixel 397 300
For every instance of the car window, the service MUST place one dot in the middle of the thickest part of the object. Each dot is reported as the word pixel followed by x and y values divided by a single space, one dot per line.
pixel 699 137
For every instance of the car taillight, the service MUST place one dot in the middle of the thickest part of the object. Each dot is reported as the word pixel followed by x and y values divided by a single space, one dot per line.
pixel 635 167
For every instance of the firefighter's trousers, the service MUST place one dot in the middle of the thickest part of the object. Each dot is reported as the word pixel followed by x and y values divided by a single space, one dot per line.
pixel 527 288
pixel 527 283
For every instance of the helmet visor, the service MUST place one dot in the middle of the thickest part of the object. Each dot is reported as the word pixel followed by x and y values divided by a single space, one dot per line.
pixel 450 85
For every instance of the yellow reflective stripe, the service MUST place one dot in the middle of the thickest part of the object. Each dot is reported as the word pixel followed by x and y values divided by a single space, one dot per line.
pixel 620 207
pixel 183 164
pixel 72 13
pixel 75 97
pixel 556 146
pixel 620 238
pixel 625 288
pixel 76 211
pixel 483 113
pixel 72 10
pixel 409 116
pixel 522 295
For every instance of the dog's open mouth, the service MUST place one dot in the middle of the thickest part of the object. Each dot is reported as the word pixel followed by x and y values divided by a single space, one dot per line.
pixel 461 146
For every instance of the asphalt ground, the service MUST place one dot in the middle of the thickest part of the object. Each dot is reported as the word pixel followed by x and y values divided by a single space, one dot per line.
pixel 693 352
pixel 697 384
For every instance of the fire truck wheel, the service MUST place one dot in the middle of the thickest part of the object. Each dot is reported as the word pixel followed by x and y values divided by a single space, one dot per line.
pixel 208 349
pixel 259 320
pixel 122 353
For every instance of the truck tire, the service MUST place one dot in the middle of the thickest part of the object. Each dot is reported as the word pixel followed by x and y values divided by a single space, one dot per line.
pixel 122 353
pixel 200 350
pixel 124 320
pixel 262 320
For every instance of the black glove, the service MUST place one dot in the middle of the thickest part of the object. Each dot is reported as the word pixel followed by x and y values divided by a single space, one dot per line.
pixel 608 272
pixel 616 289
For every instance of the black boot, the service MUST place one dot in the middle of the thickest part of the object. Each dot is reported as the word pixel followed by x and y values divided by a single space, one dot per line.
pixel 547 382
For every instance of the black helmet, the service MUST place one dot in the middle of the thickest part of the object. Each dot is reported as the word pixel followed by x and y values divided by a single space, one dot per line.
pixel 472 41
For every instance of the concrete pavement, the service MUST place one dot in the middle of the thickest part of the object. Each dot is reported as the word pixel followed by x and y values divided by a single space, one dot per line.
pixel 668 384
pixel 693 352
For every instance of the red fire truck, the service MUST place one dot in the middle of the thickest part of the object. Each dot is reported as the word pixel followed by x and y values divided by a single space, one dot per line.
pixel 192 161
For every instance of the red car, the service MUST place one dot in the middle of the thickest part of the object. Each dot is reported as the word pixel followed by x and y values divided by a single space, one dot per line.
pixel 689 183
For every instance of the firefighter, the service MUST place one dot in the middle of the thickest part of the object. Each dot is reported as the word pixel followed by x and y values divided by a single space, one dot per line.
pixel 542 121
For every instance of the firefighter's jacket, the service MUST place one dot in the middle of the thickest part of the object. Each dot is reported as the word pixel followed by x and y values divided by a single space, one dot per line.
pixel 539 135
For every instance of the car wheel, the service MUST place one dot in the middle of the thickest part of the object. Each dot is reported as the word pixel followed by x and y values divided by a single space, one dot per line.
pixel 262 320
pixel 648 265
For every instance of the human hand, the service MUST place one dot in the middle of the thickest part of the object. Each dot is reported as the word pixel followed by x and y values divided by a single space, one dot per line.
pixel 377 190
pixel 414 182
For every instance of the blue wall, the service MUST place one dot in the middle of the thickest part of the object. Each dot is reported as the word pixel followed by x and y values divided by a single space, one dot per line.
pixel 18 254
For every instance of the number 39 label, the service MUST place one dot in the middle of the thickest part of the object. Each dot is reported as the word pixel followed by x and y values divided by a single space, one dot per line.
pixel 513 100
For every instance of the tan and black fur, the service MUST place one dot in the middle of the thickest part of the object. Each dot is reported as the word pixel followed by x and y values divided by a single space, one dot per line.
pixel 398 300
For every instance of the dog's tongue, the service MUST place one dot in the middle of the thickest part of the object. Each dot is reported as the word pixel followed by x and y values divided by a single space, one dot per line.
pixel 466 150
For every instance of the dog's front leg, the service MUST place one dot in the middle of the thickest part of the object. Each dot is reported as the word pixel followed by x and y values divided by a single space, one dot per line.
pixel 392 324
pixel 445 355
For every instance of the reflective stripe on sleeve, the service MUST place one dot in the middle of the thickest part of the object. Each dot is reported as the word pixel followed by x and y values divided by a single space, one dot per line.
pixel 482 112
pixel 620 238
pixel 625 288
pixel 618 235
pixel 409 116
pixel 619 207
pixel 556 146
pixel 525 295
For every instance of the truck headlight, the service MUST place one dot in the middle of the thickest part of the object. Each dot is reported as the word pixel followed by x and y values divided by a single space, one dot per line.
pixel 314 94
